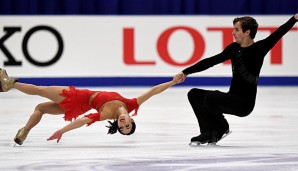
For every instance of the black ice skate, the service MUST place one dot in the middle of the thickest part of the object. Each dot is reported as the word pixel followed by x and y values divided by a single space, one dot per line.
pixel 216 137
pixel 203 138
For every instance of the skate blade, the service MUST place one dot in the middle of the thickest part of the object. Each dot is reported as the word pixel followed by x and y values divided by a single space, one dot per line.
pixel 213 144
pixel 196 143
pixel 224 135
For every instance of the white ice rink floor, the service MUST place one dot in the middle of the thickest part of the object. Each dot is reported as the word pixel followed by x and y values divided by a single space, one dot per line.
pixel 266 140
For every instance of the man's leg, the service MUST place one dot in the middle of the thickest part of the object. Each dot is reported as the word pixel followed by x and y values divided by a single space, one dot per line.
pixel 207 125
pixel 196 99
pixel 218 103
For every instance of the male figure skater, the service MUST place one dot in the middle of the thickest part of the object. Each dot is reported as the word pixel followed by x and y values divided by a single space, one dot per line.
pixel 247 58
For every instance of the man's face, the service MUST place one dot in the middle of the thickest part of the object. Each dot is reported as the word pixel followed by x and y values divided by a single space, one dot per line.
pixel 238 33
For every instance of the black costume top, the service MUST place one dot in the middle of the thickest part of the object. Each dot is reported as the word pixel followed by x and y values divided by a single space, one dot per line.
pixel 246 62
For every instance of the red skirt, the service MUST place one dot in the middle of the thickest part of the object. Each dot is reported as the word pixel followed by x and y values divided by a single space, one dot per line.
pixel 75 103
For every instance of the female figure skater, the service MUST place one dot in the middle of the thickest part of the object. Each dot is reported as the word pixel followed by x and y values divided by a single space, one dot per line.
pixel 247 59
pixel 73 102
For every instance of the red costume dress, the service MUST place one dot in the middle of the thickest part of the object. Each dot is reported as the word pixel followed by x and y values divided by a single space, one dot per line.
pixel 76 102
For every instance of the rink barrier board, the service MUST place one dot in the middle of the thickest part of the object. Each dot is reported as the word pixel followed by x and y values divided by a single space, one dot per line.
pixel 151 81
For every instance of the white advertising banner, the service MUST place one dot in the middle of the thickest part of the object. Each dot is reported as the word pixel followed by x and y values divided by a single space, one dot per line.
pixel 87 46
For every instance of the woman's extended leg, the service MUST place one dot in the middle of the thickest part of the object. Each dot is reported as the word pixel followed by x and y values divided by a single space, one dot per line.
pixel 50 92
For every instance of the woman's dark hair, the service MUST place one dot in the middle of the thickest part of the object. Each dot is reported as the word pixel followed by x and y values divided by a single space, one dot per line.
pixel 113 128
pixel 248 23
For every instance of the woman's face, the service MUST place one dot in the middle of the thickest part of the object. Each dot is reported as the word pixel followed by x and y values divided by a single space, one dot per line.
pixel 124 123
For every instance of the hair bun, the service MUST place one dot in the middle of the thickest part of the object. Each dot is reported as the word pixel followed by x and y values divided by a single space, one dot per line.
pixel 112 127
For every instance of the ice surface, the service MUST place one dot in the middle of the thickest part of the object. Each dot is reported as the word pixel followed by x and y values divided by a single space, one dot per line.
pixel 265 140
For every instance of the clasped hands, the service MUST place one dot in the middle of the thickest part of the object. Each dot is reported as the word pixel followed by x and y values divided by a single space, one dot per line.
pixel 180 77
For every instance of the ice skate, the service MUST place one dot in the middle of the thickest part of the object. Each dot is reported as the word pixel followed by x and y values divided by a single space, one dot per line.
pixel 6 82
pixel 215 137
pixel 21 136
pixel 201 139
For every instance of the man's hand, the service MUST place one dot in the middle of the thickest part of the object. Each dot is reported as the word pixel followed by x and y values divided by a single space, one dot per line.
pixel 180 77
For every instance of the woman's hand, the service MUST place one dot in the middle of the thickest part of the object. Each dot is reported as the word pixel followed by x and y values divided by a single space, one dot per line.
pixel 57 135
pixel 180 77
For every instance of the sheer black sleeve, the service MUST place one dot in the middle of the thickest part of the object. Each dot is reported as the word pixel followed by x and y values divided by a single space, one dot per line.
pixel 211 61
pixel 272 39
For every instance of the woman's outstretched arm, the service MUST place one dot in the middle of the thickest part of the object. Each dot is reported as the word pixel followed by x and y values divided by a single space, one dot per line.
pixel 73 125
pixel 155 90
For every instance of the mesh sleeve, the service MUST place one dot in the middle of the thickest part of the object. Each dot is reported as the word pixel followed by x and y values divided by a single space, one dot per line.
pixel 94 118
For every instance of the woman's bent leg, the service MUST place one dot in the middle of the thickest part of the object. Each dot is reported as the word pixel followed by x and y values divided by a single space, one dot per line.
pixel 40 109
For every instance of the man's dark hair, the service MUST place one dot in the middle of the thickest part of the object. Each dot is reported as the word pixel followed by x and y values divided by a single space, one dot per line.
pixel 248 23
